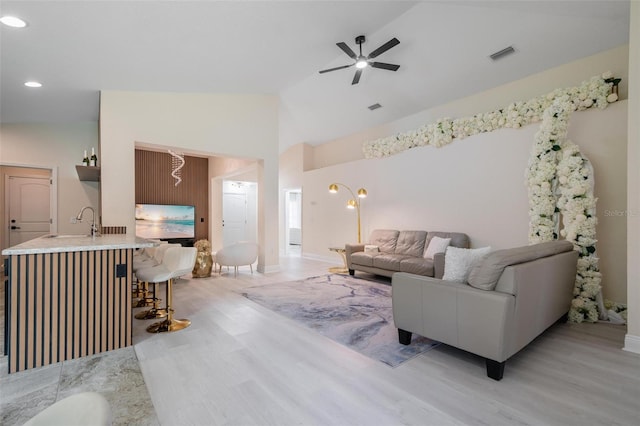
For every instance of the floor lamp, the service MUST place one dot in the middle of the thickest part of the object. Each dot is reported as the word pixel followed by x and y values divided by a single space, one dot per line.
pixel 353 203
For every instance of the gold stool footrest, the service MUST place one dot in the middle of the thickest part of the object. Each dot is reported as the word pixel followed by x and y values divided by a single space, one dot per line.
pixel 142 303
pixel 168 325
pixel 151 314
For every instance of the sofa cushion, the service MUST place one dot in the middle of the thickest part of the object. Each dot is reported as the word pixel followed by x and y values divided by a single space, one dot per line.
pixel 362 258
pixel 385 239
pixel 459 261
pixel 436 245
pixel 417 265
pixel 458 239
pixel 390 262
pixel 485 274
pixel 411 243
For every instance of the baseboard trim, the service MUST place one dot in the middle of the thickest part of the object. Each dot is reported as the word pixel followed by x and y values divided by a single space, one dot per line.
pixel 268 269
pixel 327 259
pixel 632 343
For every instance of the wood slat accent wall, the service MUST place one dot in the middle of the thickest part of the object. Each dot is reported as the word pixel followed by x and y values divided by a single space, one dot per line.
pixel 155 185
pixel 67 305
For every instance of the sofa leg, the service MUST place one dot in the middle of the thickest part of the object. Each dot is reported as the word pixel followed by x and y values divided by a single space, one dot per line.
pixel 404 336
pixel 495 369
pixel 352 272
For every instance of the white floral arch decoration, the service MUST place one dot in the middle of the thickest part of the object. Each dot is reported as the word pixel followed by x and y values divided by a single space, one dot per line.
pixel 558 177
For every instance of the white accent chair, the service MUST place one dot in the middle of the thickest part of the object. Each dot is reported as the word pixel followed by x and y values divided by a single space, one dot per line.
pixel 177 261
pixel 86 408
pixel 238 254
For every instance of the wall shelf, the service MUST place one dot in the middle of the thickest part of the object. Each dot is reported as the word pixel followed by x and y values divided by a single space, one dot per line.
pixel 88 173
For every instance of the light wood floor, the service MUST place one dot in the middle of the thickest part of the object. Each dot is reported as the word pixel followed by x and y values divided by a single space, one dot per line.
pixel 241 364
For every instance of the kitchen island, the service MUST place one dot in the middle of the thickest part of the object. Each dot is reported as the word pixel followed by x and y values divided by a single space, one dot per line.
pixel 68 296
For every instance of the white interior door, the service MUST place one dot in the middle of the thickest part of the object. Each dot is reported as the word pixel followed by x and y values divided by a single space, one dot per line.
pixel 234 218
pixel 29 208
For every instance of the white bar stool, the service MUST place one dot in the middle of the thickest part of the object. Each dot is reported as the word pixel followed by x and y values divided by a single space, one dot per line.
pixel 177 261
pixel 154 260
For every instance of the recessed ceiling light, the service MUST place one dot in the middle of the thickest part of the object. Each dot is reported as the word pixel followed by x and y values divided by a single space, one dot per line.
pixel 13 21
pixel 33 84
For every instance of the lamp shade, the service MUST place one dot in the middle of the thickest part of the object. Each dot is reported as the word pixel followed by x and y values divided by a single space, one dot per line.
pixel 362 193
pixel 333 188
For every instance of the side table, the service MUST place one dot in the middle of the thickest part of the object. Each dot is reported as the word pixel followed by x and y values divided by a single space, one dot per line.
pixel 339 269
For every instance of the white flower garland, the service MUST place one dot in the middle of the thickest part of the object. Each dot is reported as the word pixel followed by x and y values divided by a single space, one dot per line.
pixel 593 92
pixel 556 161
pixel 559 178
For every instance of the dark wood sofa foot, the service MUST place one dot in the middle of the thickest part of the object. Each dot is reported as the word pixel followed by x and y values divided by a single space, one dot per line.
pixel 404 337
pixel 495 369
pixel 352 272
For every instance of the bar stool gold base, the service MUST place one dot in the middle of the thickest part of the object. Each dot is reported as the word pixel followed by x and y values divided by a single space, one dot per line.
pixel 151 314
pixel 168 325
pixel 143 303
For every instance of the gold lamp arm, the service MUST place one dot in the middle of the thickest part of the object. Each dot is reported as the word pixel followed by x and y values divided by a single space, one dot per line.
pixel 354 202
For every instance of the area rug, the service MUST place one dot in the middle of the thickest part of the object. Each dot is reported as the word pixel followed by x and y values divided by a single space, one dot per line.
pixel 352 311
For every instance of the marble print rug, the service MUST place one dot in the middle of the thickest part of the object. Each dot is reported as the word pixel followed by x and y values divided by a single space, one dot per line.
pixel 352 311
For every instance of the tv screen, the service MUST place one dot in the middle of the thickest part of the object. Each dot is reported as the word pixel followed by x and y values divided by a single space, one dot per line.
pixel 160 221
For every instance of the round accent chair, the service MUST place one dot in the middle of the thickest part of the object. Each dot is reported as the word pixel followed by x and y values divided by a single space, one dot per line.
pixel 86 408
pixel 238 254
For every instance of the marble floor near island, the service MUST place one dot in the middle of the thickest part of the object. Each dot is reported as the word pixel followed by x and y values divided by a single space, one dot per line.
pixel 240 363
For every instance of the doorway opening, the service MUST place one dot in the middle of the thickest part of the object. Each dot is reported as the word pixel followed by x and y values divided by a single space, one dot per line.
pixel 29 204
pixel 239 212
pixel 293 222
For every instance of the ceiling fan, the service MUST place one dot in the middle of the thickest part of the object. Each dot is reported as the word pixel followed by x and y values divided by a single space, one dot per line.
pixel 361 61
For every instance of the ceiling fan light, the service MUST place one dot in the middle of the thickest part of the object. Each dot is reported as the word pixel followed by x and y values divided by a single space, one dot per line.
pixel 362 63
pixel 13 21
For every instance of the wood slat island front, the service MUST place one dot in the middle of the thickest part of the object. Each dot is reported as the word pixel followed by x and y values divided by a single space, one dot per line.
pixel 68 297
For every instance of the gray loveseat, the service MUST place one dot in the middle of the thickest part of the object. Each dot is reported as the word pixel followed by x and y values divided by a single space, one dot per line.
pixel 511 297
pixel 400 251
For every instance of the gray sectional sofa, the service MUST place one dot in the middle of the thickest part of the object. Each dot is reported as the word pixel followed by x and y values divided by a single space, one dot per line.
pixel 400 251
pixel 511 296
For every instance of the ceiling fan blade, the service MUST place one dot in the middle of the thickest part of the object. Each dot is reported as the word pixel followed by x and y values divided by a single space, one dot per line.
pixel 346 49
pixel 336 68
pixel 356 78
pixel 390 67
pixel 380 50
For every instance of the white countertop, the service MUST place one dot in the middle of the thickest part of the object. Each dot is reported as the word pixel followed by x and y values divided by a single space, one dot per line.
pixel 67 243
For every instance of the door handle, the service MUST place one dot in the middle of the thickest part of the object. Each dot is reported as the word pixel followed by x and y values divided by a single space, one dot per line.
pixel 15 227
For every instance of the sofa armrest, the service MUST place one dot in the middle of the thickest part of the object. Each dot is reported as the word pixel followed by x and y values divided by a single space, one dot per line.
pixel 454 313
pixel 438 265
pixel 349 249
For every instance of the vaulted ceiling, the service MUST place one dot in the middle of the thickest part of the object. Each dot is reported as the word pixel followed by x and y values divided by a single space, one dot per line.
pixel 77 48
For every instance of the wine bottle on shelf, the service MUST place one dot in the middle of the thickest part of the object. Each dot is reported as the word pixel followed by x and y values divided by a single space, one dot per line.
pixel 85 159
pixel 93 161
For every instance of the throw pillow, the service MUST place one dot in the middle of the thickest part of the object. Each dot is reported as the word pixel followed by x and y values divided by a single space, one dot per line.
pixel 368 248
pixel 436 245
pixel 459 261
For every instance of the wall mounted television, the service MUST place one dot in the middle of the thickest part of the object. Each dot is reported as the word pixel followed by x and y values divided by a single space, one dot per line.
pixel 165 222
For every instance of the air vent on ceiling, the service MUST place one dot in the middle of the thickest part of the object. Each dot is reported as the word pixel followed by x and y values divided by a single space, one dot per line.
pixel 502 53
pixel 374 106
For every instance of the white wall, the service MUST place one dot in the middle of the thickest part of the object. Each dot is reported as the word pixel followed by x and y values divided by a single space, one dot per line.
pixel 475 185
pixel 632 340
pixel 244 126
pixel 571 74
pixel 56 146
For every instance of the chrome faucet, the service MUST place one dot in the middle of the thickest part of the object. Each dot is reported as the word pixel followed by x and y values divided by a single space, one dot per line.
pixel 94 228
